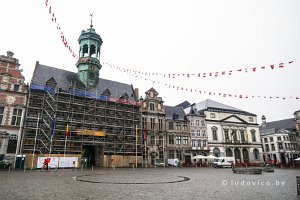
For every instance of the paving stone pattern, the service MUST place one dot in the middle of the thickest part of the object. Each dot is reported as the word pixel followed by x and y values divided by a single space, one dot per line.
pixel 204 183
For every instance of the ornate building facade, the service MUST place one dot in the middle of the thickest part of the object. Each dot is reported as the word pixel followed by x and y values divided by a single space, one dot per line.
pixel 231 132
pixel 12 104
pixel 153 125
pixel 178 140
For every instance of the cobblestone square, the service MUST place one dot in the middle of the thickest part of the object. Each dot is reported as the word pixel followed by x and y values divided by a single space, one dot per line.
pixel 148 183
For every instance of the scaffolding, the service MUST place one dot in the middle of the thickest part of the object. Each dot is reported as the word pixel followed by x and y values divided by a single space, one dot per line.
pixel 50 109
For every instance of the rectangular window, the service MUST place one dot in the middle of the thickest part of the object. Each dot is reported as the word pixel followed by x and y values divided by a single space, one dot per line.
pixel 253 136
pixel 266 140
pixel 198 133
pixel 226 135
pixel 161 154
pixel 178 154
pixel 215 137
pixel 144 123
pixel 250 119
pixel 267 148
pixel 212 115
pixel 204 143
pixel 152 139
pixel 234 136
pixel 273 147
pixel 185 126
pixel 279 138
pixel 16 117
pixel 192 123
pixel 178 140
pixel 171 139
pixel 203 133
pixel 171 126
pixel 16 87
pixel 193 133
pixel 280 146
pixel 152 123
pixel 194 143
pixel 202 123
pixel 152 106
pixel 185 140
pixel 197 123
pixel 242 136
pixel 160 140
pixel 271 139
pixel 1 114
pixel 171 154
pixel 160 124
pixel 178 126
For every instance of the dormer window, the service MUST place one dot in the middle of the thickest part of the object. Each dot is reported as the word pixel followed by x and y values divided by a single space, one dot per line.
pixel 124 96
pixel 16 87
pixel 106 93
pixel 175 116
pixel 152 106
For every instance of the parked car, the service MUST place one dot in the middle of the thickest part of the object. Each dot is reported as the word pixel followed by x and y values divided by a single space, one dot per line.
pixel 160 163
pixel 5 164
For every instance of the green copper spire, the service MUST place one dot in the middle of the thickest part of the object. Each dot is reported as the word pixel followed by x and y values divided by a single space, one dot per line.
pixel 88 64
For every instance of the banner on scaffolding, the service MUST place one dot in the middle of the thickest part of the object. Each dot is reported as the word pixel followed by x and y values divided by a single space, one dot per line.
pixel 90 132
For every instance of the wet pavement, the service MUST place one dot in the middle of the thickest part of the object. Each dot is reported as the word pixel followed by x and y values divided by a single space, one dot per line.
pixel 148 183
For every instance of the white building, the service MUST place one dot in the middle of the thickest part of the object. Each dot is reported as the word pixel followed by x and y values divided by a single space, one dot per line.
pixel 280 141
pixel 231 132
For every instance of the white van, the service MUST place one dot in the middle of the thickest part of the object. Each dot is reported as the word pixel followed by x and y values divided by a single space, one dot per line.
pixel 173 162
pixel 224 162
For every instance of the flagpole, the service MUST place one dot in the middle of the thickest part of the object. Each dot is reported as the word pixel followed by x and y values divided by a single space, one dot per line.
pixel 146 156
pixel 65 146
pixel 36 132
pixel 50 146
pixel 136 141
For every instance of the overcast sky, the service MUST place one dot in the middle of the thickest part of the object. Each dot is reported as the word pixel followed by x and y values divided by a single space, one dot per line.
pixel 170 36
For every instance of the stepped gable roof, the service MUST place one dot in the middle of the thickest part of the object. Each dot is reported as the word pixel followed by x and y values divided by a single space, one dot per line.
pixel 171 110
pixel 65 79
pixel 275 126
pixel 184 104
pixel 213 105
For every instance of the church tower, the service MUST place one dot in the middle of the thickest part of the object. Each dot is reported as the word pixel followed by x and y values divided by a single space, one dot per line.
pixel 88 64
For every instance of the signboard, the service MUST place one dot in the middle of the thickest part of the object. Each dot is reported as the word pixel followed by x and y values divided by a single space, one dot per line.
pixel 52 164
pixel 90 132
pixel 68 162
pixel 58 162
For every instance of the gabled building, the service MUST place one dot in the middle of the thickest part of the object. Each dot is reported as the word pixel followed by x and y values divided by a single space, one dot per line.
pixel 198 133
pixel 12 105
pixel 178 142
pixel 153 125
pixel 81 115
pixel 230 131
pixel 280 141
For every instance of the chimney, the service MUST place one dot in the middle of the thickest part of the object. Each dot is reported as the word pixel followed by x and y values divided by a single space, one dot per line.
pixel 136 93
pixel 264 121
pixel 10 54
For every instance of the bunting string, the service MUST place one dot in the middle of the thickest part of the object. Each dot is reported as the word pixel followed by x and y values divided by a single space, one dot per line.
pixel 144 75
pixel 59 29
pixel 203 74
pixel 201 92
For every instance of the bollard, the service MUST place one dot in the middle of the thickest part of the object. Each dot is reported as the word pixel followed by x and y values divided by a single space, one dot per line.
pixel 92 168
pixel 9 169
pixel 132 167
pixel 24 169
pixel 298 185
pixel 81 168
pixel 114 168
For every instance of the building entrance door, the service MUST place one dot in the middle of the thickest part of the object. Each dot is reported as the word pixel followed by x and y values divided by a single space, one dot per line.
pixel 88 155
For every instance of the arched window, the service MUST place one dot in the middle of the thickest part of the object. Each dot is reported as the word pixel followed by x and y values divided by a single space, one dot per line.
pixel 93 51
pixel 237 155
pixel 216 152
pixel 253 135
pixel 228 152
pixel 256 154
pixel 12 144
pixel 245 155
pixel 85 50
pixel 214 133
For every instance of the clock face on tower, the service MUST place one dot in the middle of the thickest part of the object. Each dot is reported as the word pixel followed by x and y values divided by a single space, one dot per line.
pixel 91 75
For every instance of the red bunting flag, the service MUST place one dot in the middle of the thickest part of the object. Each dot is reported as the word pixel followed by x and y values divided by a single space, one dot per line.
pixel 272 66
pixel 290 62
pixel 223 72
pixel 50 9
pixel 280 65
pixel 199 74
pixel 254 69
